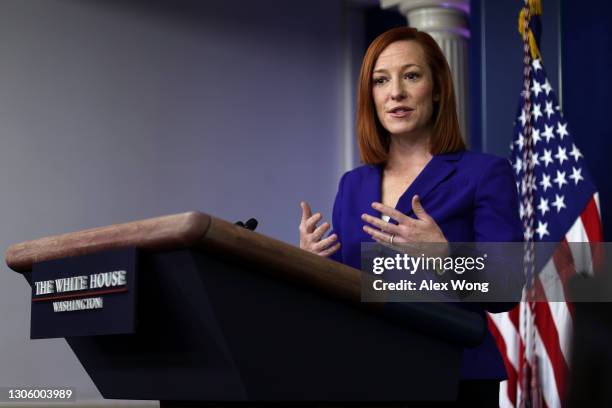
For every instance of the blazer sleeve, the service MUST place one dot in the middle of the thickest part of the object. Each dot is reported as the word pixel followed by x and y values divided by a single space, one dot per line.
pixel 337 219
pixel 496 219
pixel 496 215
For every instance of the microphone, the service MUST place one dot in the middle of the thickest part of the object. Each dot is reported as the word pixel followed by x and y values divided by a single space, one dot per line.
pixel 251 224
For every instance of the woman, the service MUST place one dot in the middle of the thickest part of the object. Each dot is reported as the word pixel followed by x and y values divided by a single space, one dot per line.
pixel 417 173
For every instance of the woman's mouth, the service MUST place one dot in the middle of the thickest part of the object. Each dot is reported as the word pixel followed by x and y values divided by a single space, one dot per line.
pixel 400 112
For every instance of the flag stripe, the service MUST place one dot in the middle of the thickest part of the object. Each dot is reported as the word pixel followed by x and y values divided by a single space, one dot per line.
pixel 550 340
pixel 592 221
pixel 502 328
pixel 504 399
pixel 562 317
pixel 546 373
pixel 583 259
pixel 550 284
pixel 507 394
pixel 564 264
pixel 559 313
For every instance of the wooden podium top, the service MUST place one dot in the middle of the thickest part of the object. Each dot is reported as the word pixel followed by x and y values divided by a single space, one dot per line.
pixel 198 231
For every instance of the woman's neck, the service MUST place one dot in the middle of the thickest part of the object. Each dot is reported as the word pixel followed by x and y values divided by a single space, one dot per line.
pixel 407 153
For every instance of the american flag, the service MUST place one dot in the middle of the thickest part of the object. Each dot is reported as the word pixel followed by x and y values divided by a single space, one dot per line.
pixel 534 338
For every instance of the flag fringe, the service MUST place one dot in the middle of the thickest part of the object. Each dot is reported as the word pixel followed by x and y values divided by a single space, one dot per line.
pixel 535 8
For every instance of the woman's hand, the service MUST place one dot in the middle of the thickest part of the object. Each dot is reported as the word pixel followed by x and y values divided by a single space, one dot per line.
pixel 311 234
pixel 408 230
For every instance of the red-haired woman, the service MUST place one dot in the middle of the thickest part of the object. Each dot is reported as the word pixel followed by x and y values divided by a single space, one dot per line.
pixel 418 174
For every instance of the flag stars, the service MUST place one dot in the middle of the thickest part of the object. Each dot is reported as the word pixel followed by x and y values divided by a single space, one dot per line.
pixel 547 158
pixel 536 88
pixel 561 155
pixel 535 135
pixel 518 165
pixel 560 179
pixel 543 206
pixel 542 229
pixel 545 183
pixel 575 153
pixel 536 65
pixel 520 141
pixel 549 109
pixel 536 111
pixel 548 133
pixel 562 130
pixel 546 87
pixel 576 175
pixel 559 203
pixel 546 140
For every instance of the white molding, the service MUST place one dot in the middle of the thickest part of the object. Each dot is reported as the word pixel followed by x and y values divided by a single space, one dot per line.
pixel 438 20
pixel 463 5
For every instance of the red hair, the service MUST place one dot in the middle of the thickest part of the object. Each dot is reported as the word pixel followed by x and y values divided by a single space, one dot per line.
pixel 372 136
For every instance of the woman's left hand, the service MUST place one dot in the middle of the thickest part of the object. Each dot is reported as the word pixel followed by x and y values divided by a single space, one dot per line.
pixel 408 230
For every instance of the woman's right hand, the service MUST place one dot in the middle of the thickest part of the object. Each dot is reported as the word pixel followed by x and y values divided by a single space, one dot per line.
pixel 311 234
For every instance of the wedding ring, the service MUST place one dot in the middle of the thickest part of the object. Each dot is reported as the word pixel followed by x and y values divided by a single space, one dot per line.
pixel 391 240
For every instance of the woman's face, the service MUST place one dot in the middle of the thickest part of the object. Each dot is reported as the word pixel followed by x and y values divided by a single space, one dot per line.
pixel 402 89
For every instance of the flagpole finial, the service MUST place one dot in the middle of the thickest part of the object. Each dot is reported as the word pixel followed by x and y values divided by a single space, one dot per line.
pixel 535 9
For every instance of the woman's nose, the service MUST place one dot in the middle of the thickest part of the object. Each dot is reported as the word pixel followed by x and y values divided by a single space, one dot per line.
pixel 397 91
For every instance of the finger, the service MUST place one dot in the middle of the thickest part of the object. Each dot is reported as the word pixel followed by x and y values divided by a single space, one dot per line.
pixel 324 243
pixel 387 244
pixel 418 209
pixel 311 222
pixel 380 224
pixel 306 211
pixel 376 234
pixel 331 250
pixel 319 231
pixel 391 212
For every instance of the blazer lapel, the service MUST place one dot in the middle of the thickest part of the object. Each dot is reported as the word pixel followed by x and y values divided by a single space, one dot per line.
pixel 438 169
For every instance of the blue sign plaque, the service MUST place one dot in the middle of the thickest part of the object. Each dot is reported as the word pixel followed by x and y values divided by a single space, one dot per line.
pixel 86 295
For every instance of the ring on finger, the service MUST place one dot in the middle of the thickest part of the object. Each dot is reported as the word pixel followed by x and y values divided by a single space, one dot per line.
pixel 391 239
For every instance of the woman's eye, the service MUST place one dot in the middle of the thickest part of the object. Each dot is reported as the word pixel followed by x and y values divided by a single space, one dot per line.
pixel 379 80
pixel 412 75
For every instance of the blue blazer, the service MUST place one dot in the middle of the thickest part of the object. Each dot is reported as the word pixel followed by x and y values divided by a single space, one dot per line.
pixel 471 196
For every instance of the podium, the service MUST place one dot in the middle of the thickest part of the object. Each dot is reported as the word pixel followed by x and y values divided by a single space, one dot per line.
pixel 227 315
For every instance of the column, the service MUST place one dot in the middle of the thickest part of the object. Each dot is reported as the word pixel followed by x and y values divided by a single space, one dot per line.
pixel 447 22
